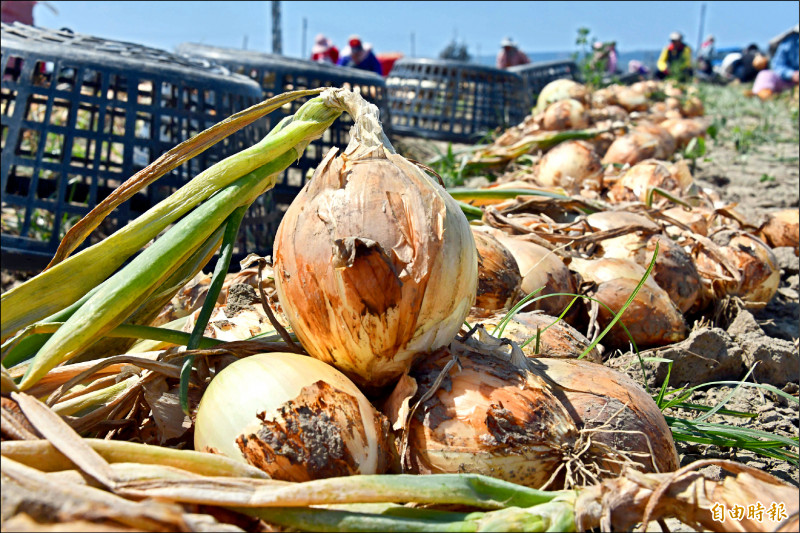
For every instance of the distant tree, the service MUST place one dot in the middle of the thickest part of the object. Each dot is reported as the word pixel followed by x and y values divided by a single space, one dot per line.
pixel 455 51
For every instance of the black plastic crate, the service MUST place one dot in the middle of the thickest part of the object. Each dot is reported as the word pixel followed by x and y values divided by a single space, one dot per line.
pixel 453 100
pixel 81 114
pixel 537 75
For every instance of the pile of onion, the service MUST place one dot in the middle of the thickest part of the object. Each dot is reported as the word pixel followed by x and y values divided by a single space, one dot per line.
pixel 293 417
pixel 375 263
pixel 519 424
pixel 651 318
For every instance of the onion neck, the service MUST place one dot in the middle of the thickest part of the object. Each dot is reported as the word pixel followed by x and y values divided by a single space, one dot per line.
pixel 367 133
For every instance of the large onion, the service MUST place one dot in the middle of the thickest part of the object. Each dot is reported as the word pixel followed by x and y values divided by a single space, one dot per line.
pixel 651 318
pixel 499 279
pixel 294 417
pixel 489 417
pixel 375 264
pixel 782 228
pixel 749 257
pixel 685 129
pixel 598 396
pixel 571 165
pixel 632 99
pixel 561 90
pixel 631 148
pixel 637 182
pixel 567 114
pixel 540 267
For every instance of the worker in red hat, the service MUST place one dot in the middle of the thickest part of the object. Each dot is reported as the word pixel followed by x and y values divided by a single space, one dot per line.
pixel 359 55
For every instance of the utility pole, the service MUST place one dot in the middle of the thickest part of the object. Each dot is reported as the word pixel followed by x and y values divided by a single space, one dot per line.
pixel 303 45
pixel 276 27
pixel 413 52
pixel 702 23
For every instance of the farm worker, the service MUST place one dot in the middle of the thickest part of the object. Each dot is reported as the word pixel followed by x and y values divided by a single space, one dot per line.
pixel 782 73
pixel 324 51
pixel 509 55
pixel 360 55
pixel 675 59
pixel 705 54
pixel 605 52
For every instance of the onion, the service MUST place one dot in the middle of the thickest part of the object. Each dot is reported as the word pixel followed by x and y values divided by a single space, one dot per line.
pixel 561 90
pixel 375 263
pixel 782 228
pixel 685 129
pixel 637 182
pixel 567 114
pixel 632 99
pixel 499 279
pixel 631 148
pixel 674 270
pixel 540 267
pixel 651 318
pixel 490 417
pixel 692 218
pixel 752 259
pixel 570 165
pixel 556 337
pixel 667 143
pixel 596 395
pixel 294 417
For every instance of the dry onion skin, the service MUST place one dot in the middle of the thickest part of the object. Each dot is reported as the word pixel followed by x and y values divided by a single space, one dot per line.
pixel 624 416
pixel 567 114
pixel 757 267
pixel 499 280
pixel 637 181
pixel 294 417
pixel 782 228
pixel 375 264
pixel 570 165
pixel 539 268
pixel 652 318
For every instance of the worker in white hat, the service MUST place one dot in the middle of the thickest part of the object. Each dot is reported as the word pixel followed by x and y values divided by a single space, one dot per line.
pixel 510 55
pixel 676 59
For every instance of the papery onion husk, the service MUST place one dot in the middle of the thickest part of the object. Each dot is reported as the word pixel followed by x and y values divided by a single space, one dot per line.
pixel 375 264
pixel 561 89
pixel 294 417
pixel 571 165
pixel 499 279
pixel 651 318
pixel 556 337
pixel 567 114
pixel 757 267
pixel 625 415
pixel 490 417
pixel 540 267
pixel 694 219
pixel 685 129
pixel 782 228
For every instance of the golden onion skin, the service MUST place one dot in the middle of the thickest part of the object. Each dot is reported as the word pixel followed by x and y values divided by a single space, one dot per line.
pixel 375 265
pixel 487 417
pixel 567 114
pixel 499 279
pixel 571 165
pixel 596 395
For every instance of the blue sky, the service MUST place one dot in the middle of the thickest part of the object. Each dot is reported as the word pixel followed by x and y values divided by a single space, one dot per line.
pixel 537 26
